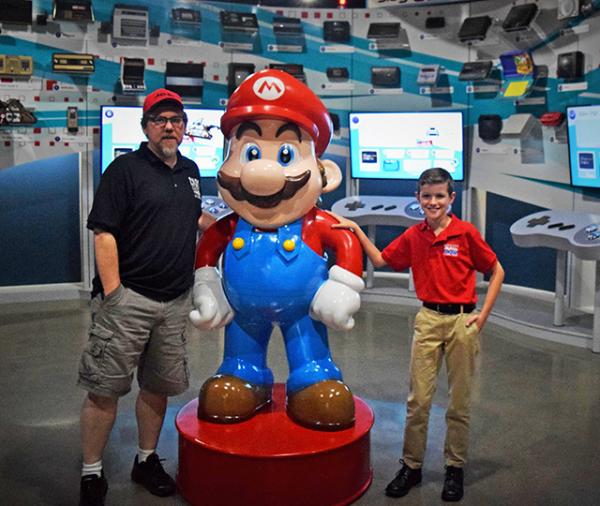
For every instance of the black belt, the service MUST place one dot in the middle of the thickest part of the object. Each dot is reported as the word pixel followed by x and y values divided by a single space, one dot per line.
pixel 450 308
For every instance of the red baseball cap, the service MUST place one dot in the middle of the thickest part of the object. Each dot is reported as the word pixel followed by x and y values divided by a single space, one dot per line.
pixel 159 96
pixel 276 94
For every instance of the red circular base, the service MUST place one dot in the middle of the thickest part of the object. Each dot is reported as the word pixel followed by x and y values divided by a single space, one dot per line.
pixel 270 460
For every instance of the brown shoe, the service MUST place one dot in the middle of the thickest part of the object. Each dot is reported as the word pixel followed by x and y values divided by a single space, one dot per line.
pixel 327 405
pixel 228 399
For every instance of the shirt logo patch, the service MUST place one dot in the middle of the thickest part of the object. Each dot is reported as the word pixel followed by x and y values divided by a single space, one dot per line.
pixel 195 184
pixel 451 250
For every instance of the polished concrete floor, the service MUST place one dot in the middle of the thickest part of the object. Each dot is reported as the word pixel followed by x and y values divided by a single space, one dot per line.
pixel 535 436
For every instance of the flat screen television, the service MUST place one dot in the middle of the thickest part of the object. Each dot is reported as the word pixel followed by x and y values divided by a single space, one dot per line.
pixel 401 145
pixel 121 132
pixel 583 125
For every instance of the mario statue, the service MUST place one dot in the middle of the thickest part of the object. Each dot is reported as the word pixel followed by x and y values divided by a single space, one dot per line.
pixel 274 265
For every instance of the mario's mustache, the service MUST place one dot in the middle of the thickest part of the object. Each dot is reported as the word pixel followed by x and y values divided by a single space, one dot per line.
pixel 291 186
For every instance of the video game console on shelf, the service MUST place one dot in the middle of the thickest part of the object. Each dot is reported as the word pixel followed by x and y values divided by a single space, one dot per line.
pixel 550 119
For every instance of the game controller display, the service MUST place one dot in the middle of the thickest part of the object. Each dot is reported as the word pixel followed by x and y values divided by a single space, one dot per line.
pixel 589 233
pixel 414 210
pixel 215 206
pixel 380 210
pixel 565 231
pixel 578 233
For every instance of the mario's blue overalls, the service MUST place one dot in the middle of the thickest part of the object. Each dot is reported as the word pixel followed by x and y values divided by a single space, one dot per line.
pixel 271 277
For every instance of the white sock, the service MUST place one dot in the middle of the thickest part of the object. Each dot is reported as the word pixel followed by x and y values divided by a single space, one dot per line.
pixel 95 468
pixel 144 454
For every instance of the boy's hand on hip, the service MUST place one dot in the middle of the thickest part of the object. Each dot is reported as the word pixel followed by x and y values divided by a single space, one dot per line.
pixel 475 320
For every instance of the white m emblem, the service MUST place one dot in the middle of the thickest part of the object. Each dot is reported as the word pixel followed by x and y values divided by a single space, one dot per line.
pixel 268 88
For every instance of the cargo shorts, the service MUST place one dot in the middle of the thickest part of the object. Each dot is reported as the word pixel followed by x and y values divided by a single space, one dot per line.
pixel 129 330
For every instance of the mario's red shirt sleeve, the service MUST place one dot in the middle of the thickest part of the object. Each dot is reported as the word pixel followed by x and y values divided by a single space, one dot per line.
pixel 318 235
pixel 214 240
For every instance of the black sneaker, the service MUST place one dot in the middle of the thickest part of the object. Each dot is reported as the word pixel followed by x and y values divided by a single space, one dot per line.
pixel 405 479
pixel 152 476
pixel 453 484
pixel 93 490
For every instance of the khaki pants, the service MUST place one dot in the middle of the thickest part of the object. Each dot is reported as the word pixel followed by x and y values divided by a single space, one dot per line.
pixel 437 335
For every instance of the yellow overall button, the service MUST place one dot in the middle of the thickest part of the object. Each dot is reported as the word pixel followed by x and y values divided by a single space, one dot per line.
pixel 238 243
pixel 289 245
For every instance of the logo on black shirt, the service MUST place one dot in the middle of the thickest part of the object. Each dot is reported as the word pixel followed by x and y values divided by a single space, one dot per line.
pixel 195 184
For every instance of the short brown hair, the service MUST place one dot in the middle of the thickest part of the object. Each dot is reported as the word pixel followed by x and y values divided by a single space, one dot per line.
pixel 436 175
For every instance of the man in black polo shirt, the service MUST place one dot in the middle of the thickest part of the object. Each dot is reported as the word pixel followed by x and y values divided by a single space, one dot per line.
pixel 145 217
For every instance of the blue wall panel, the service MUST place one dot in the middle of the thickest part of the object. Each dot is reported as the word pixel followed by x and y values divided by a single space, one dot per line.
pixel 39 206
pixel 532 267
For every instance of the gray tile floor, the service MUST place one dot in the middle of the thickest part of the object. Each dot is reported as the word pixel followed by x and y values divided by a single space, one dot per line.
pixel 535 436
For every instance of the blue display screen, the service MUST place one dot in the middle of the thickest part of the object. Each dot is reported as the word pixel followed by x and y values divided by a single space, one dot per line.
pixel 401 145
pixel 583 125
pixel 203 141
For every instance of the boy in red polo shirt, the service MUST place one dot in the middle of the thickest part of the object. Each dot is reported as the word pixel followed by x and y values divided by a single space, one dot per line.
pixel 444 254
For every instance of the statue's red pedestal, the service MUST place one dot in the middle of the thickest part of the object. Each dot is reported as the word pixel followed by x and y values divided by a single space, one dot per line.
pixel 271 461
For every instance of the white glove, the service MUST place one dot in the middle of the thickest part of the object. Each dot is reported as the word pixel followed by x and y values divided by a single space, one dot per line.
pixel 211 307
pixel 337 299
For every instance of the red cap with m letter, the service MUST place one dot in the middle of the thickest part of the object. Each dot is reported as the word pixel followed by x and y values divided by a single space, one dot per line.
pixel 276 94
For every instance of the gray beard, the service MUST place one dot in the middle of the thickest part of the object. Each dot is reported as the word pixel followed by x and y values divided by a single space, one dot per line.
pixel 167 152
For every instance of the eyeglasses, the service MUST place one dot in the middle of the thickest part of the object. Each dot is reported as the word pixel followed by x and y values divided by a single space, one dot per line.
pixel 162 121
